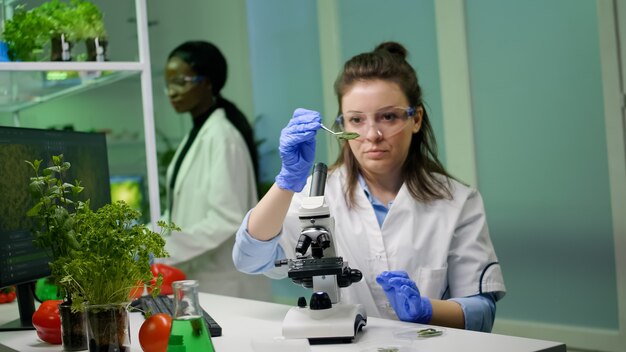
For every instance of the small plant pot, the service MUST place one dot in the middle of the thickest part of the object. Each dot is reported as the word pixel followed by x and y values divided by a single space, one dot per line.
pixel 73 328
pixel 60 49
pixel 96 49
pixel 108 328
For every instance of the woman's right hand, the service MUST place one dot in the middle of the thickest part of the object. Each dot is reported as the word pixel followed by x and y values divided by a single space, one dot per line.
pixel 297 149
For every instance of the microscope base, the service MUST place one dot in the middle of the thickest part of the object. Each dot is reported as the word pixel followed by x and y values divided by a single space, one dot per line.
pixel 338 324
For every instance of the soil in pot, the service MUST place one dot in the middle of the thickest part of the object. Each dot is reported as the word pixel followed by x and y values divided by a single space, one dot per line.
pixel 108 328
pixel 96 49
pixel 60 49
pixel 73 332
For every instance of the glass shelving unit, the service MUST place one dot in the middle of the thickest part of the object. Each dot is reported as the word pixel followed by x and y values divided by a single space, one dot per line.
pixel 25 89
pixel 26 84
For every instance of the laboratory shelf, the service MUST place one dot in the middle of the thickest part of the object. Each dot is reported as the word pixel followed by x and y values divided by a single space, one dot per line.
pixel 24 89
pixel 27 84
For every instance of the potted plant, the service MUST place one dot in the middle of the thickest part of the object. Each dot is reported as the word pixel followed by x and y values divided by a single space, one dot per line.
pixel 113 254
pixel 60 18
pixel 98 256
pixel 89 26
pixel 58 24
pixel 25 34
pixel 55 210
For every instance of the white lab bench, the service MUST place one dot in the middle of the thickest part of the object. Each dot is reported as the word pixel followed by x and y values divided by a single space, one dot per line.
pixel 244 321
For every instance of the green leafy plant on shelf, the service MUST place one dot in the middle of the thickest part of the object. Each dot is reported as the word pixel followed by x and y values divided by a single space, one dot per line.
pixel 89 22
pixel 61 18
pixel 89 26
pixel 29 33
pixel 26 33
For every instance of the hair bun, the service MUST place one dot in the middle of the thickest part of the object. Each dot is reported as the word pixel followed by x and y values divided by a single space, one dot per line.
pixel 393 48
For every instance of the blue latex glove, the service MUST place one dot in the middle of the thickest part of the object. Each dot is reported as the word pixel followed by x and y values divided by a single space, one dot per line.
pixel 405 297
pixel 297 149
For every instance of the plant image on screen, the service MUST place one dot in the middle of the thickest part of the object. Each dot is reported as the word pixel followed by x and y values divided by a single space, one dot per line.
pixel 129 189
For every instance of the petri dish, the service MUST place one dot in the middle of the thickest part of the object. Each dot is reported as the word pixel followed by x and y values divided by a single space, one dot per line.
pixel 388 347
pixel 419 333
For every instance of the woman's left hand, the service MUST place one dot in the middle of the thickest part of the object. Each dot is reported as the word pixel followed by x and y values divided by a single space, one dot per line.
pixel 404 297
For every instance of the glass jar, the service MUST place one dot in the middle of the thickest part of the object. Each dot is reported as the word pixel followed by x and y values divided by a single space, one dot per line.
pixel 108 327
pixel 73 328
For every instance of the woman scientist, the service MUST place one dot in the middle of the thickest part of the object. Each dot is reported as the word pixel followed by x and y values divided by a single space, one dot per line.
pixel 211 181
pixel 419 237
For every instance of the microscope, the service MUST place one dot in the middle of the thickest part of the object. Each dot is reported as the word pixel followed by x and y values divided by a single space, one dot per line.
pixel 325 319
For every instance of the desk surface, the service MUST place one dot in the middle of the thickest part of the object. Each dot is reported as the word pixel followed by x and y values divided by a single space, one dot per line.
pixel 244 321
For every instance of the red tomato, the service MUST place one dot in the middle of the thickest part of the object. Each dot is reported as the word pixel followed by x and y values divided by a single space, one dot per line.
pixel 7 294
pixel 170 274
pixel 155 333
pixel 47 321
pixel 137 291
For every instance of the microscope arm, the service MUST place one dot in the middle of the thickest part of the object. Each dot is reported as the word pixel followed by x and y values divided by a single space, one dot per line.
pixel 316 265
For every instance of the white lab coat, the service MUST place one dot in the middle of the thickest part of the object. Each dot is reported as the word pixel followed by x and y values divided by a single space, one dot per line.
pixel 444 246
pixel 214 189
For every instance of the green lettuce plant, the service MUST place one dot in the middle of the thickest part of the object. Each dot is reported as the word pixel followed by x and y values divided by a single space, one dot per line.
pixel 89 22
pixel 61 18
pixel 26 33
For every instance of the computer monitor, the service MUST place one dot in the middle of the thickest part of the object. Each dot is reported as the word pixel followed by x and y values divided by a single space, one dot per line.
pixel 21 263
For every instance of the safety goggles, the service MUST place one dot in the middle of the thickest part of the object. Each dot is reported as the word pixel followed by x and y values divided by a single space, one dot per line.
pixel 181 84
pixel 386 122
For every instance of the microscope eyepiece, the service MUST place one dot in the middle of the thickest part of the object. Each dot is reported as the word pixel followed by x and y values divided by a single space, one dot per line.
pixel 318 181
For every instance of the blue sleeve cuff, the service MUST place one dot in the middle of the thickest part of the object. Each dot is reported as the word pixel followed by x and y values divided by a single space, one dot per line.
pixel 479 311
pixel 252 256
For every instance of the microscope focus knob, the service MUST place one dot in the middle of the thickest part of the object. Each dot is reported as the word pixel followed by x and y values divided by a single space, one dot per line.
pixel 355 275
pixel 348 277
pixel 301 302
pixel 281 262
pixel 320 301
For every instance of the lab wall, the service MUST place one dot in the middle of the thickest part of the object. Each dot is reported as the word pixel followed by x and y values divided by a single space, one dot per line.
pixel 285 62
pixel 365 24
pixel 542 157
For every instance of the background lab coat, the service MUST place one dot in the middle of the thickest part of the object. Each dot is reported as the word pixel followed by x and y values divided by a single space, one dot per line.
pixel 214 190
pixel 444 246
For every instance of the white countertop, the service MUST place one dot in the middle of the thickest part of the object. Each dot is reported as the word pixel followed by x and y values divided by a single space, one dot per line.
pixel 244 321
